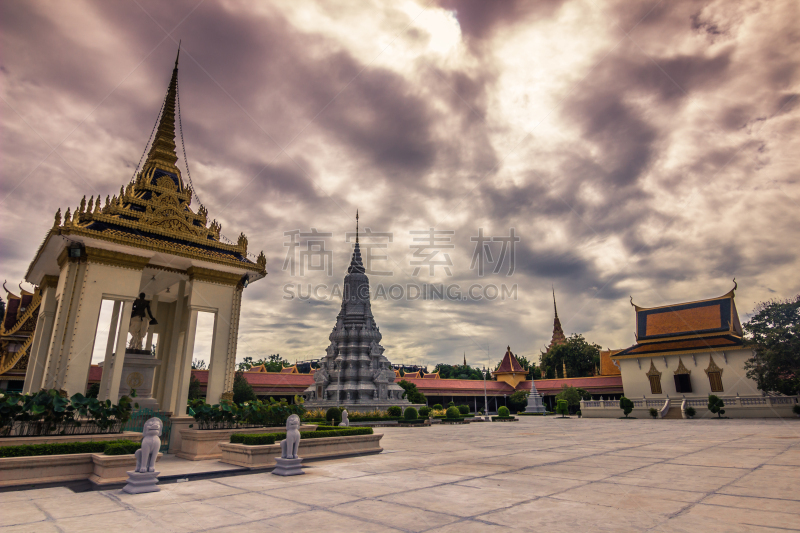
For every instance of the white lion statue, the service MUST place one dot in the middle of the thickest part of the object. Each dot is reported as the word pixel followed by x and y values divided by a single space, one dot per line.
pixel 291 443
pixel 146 456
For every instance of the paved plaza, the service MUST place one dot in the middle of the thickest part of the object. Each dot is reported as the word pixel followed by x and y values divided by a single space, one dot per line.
pixel 540 474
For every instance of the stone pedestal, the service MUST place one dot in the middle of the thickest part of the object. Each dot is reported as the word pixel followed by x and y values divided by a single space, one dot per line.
pixel 138 372
pixel 141 482
pixel 534 401
pixel 288 467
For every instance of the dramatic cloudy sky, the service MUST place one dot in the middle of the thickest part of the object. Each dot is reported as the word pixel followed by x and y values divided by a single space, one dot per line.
pixel 636 148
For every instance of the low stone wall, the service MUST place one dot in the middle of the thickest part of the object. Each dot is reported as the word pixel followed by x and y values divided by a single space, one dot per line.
pixel 328 447
pixel 202 444
pixel 735 407
pixel 46 439
pixel 99 468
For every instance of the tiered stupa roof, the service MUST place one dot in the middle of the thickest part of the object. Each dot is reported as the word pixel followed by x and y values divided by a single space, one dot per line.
pixel 558 333
pixel 153 211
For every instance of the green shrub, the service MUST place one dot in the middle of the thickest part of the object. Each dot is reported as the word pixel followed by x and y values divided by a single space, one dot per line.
pixel 451 404
pixel 690 412
pixel 260 439
pixel 395 411
pixel 463 409
pixel 452 412
pixel 122 447
pixel 578 412
pixel 438 407
pixel 410 414
pixel 562 407
pixel 654 412
pixel 504 412
pixel 334 414
pixel 112 447
pixel 424 412
pixel 626 405
pixel 715 405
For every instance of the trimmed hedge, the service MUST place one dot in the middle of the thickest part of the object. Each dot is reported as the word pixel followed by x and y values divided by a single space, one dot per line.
pixel 333 414
pixel 113 447
pixel 259 439
pixel 410 414
pixel 503 412
pixel 122 447
pixel 395 410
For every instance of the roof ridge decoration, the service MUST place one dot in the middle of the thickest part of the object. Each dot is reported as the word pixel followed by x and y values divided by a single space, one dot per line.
pixel 155 205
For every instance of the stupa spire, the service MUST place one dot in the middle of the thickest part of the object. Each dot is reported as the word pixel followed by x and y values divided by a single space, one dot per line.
pixel 162 153
pixel 558 333
pixel 356 265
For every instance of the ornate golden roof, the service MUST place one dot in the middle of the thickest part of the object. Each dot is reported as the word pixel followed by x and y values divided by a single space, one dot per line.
pixel 154 210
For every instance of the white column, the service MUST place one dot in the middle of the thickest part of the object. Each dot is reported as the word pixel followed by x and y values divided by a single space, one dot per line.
pixel 108 361
pixel 186 366
pixel 40 346
pixel 69 273
pixel 119 357
pixel 173 356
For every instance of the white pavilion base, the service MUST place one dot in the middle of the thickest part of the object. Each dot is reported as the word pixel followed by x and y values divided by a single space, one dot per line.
pixel 288 467
pixel 141 482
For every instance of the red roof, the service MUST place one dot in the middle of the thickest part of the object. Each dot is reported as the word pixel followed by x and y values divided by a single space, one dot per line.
pixel 509 363
pixel 594 384
pixel 452 386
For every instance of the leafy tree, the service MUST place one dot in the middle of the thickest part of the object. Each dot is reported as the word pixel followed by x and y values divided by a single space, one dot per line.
pixel 242 390
pixel 2 308
pixel 626 405
pixel 198 364
pixel 715 405
pixel 573 395
pixel 518 400
pixel 581 357
pixel 562 408
pixel 194 388
pixel 93 391
pixel 463 409
pixel 774 333
pixel 411 392
pixel 273 363
pixel 458 372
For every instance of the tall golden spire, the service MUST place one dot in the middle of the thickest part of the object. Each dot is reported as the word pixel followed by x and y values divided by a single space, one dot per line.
pixel 162 153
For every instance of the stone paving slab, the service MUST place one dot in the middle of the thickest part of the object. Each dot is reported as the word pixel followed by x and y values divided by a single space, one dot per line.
pixel 536 475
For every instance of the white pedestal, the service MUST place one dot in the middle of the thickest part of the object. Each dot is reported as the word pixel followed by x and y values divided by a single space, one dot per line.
pixel 141 482
pixel 288 467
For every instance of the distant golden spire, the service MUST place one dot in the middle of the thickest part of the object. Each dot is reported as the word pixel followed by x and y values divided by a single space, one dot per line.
pixel 162 152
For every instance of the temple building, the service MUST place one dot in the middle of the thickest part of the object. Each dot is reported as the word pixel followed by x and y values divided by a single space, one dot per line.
pixel 16 334
pixel 354 372
pixel 145 241
pixel 683 353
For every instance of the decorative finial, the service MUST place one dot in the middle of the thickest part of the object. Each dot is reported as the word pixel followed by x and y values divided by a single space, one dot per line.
pixel 179 54
pixel 634 305
pixel 735 285
pixel 57 221
pixel 356 226
pixel 554 300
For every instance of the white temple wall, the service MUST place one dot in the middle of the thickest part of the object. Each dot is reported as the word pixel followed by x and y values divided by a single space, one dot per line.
pixel 174 356
pixel 636 384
